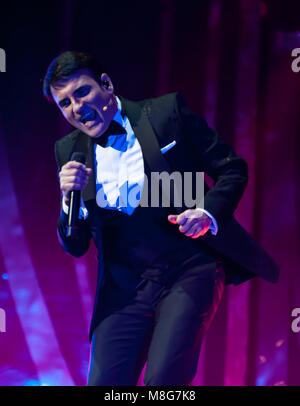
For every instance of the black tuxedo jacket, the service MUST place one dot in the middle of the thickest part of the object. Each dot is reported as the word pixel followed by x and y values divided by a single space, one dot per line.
pixel 156 123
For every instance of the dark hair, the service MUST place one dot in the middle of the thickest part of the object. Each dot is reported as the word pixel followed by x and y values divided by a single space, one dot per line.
pixel 65 65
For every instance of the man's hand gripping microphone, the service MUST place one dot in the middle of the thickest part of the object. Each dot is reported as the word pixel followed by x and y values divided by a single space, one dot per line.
pixel 75 196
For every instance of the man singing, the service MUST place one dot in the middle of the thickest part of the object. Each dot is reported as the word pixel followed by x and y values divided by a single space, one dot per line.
pixel 161 268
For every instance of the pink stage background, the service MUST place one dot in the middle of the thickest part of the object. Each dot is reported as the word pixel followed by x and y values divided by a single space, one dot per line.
pixel 232 62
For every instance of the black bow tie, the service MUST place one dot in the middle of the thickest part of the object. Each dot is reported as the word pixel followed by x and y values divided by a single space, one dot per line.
pixel 113 129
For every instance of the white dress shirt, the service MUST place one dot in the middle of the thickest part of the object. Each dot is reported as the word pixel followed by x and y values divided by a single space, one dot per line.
pixel 119 172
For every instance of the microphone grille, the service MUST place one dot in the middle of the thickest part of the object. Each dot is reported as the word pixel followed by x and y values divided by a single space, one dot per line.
pixel 79 157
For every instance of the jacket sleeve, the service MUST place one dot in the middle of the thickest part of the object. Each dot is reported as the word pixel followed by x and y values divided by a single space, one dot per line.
pixel 80 244
pixel 218 160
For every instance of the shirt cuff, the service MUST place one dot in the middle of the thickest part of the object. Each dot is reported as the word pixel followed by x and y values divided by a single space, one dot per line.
pixel 83 211
pixel 214 226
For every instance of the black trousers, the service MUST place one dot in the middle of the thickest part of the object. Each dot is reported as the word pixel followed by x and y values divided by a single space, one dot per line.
pixel 162 324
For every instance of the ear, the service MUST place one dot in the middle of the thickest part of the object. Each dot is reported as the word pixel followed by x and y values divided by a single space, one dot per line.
pixel 107 83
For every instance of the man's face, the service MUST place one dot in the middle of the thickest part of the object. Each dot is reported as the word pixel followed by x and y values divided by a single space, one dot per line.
pixel 81 100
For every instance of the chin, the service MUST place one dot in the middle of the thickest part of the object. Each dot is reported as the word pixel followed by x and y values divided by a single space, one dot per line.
pixel 94 133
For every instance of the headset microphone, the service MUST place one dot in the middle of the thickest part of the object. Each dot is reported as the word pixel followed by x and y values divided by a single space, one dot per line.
pixel 106 84
pixel 105 107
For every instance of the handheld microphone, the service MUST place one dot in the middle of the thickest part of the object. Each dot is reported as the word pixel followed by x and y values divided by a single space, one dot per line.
pixel 74 200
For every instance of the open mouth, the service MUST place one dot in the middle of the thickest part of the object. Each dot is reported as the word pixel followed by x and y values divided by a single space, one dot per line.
pixel 88 117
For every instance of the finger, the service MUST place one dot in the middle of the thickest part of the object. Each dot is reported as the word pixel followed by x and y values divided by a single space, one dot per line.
pixel 194 219
pixel 69 183
pixel 201 232
pixel 190 222
pixel 182 218
pixel 173 218
pixel 193 230
pixel 77 170
pixel 73 174
pixel 72 179
pixel 74 164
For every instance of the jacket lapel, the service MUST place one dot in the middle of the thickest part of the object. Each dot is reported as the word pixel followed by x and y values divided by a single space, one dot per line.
pixel 139 120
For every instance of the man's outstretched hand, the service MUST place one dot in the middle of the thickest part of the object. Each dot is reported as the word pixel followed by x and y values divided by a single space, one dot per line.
pixel 193 223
